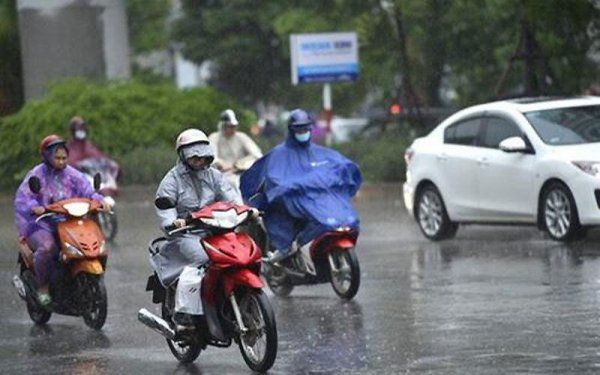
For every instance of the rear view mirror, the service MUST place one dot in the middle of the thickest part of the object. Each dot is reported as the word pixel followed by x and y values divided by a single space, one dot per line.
pixel 513 144
pixel 34 184
pixel 97 181
pixel 164 203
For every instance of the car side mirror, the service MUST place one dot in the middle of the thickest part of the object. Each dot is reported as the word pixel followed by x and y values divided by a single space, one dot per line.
pixel 164 203
pixel 513 144
pixel 97 181
pixel 34 184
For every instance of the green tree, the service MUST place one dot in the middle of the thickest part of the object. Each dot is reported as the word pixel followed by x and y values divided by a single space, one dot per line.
pixel 514 47
pixel 147 22
pixel 408 49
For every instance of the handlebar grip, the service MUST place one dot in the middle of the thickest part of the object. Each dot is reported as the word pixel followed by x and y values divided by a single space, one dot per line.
pixel 169 228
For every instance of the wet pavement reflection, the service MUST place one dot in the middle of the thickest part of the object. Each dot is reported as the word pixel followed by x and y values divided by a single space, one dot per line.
pixel 494 300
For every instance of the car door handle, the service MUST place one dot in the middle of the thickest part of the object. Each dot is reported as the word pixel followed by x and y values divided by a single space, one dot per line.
pixel 442 157
pixel 483 162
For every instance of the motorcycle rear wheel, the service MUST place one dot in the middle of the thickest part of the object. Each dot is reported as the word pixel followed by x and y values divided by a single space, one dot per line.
pixel 94 293
pixel 184 352
pixel 345 279
pixel 38 314
pixel 259 344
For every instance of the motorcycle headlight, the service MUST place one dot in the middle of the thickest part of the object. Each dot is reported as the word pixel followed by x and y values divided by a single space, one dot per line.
pixel 225 219
pixel 77 209
pixel 590 167
pixel 73 251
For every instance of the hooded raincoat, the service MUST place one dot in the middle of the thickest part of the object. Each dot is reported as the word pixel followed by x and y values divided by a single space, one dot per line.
pixel 190 190
pixel 56 185
pixel 305 191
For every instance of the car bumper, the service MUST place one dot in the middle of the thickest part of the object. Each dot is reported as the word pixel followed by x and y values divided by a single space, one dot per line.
pixel 409 197
pixel 584 191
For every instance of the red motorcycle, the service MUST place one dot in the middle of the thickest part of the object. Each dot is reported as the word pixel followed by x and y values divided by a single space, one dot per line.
pixel 235 308
pixel 331 258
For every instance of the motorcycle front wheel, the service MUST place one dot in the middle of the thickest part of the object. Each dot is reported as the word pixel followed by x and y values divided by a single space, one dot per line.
pixel 37 314
pixel 94 300
pixel 345 272
pixel 184 351
pixel 258 344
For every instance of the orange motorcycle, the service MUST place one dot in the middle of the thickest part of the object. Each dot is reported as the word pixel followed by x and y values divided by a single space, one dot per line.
pixel 78 288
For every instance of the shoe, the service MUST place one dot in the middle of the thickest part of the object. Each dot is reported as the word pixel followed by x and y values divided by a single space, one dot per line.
pixel 274 256
pixel 44 299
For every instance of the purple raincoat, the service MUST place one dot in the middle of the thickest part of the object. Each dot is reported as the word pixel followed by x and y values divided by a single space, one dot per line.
pixel 55 185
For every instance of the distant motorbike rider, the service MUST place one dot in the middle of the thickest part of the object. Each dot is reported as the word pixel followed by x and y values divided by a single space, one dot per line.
pixel 191 184
pixel 58 181
pixel 304 188
pixel 79 145
pixel 232 145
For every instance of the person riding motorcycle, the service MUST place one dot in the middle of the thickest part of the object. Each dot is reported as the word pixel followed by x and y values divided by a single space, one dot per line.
pixel 303 188
pixel 80 147
pixel 58 181
pixel 191 184
pixel 233 148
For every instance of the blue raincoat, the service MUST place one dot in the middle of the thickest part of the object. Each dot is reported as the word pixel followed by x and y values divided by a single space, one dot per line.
pixel 305 191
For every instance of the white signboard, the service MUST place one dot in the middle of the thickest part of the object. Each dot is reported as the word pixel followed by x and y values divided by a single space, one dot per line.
pixel 324 57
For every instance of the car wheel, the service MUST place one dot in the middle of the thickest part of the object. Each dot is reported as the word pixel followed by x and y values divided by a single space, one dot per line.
pixel 432 216
pixel 559 213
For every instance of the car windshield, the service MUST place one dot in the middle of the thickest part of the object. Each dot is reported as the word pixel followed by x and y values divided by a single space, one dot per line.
pixel 567 126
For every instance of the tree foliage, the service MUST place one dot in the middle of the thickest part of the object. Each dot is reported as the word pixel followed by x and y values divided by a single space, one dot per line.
pixel 469 48
pixel 122 117
pixel 147 22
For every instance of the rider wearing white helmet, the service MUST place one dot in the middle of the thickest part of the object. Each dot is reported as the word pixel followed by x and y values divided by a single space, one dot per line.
pixel 232 146
pixel 190 185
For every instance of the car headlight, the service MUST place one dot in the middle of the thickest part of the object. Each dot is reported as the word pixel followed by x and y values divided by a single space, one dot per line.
pixel 590 167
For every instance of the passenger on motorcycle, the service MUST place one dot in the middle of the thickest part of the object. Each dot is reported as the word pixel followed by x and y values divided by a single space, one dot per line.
pixel 58 181
pixel 232 145
pixel 303 188
pixel 191 184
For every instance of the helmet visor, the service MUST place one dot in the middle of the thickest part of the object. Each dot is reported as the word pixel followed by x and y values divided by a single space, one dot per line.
pixel 198 149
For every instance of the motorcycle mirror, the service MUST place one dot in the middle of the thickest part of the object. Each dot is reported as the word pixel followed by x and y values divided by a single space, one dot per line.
pixel 34 184
pixel 164 203
pixel 97 181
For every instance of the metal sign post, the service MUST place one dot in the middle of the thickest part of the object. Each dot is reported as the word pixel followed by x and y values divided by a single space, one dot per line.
pixel 328 111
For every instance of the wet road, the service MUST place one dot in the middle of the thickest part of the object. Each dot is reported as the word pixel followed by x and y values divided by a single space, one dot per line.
pixel 495 300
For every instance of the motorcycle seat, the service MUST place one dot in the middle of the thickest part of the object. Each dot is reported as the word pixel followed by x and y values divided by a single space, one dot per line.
pixel 156 245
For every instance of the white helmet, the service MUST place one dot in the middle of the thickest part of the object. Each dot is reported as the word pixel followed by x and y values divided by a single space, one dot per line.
pixel 228 118
pixel 190 136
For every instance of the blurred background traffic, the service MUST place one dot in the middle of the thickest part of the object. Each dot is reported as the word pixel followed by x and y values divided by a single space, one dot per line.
pixel 141 71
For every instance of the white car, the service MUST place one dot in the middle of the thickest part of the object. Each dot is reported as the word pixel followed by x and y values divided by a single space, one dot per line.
pixel 523 161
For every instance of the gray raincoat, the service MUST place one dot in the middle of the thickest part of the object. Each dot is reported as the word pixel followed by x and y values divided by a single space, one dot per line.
pixel 191 190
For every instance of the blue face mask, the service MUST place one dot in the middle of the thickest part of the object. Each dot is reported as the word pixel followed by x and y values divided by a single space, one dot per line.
pixel 304 137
